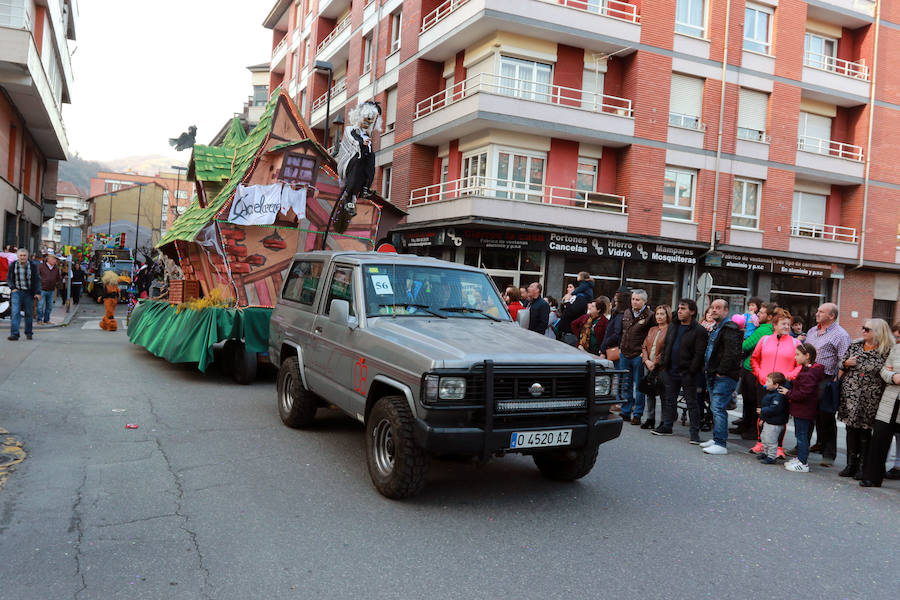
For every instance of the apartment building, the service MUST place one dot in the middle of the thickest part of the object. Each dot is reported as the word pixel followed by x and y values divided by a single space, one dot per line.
pixel 173 204
pixel 66 226
pixel 35 81
pixel 540 138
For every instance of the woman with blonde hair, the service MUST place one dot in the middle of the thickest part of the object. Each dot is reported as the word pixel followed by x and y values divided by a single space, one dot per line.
pixel 861 390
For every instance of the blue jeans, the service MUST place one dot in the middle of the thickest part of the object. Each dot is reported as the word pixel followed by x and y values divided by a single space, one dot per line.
pixel 45 306
pixel 21 301
pixel 801 432
pixel 631 399
pixel 720 390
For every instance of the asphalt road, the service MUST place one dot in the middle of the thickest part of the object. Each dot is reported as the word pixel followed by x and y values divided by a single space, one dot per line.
pixel 212 497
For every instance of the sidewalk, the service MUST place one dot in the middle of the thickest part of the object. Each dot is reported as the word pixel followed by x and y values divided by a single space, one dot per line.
pixel 58 316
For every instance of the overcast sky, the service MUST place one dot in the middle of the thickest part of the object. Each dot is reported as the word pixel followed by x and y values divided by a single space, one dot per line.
pixel 145 71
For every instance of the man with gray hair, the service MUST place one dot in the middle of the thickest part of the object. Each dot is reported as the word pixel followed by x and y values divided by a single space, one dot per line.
pixel 831 343
pixel 723 369
pixel 25 282
pixel 635 325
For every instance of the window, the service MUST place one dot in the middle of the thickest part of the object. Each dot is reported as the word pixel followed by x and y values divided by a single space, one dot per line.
pixel 752 112
pixel 745 203
pixel 181 194
pixel 690 17
pixel 390 111
pixel 592 85
pixel 303 102
pixel 445 174
pixel 519 171
pixel 395 30
pixel 678 194
pixel 449 83
pixel 819 51
pixel 757 28
pixel 884 309
pixel 302 282
pixel 367 53
pixel 587 177
pixel 686 102
pixel 808 214
pixel 524 79
pixel 386 174
pixel 814 132
pixel 474 171
pixel 341 288
pixel 260 95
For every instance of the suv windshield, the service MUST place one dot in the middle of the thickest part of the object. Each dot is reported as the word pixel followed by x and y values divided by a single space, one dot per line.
pixel 426 291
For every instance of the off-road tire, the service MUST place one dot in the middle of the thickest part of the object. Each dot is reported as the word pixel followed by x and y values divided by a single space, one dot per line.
pixel 396 465
pixel 296 406
pixel 562 467
pixel 242 364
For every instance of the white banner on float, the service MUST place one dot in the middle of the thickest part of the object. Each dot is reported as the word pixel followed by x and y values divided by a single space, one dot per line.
pixel 255 204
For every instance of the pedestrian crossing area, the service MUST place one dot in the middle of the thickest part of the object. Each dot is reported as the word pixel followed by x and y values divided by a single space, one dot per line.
pixel 94 324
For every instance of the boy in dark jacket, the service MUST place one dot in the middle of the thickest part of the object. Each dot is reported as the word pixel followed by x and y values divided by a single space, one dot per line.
pixel 774 411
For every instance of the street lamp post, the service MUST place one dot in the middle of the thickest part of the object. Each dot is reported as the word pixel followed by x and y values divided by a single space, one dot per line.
pixel 322 65
pixel 339 122
pixel 178 171
pixel 137 221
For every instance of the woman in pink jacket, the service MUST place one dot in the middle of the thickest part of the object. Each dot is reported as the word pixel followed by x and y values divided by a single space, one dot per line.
pixel 775 353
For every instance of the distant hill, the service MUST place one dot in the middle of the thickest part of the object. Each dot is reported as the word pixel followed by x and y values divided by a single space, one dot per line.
pixel 79 171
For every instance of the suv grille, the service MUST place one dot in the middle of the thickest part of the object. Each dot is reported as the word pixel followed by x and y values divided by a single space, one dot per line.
pixel 532 392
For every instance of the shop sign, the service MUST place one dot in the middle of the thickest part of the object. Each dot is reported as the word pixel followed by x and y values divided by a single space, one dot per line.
pixel 422 239
pixel 609 248
pixel 744 261
pixel 504 240
pixel 799 267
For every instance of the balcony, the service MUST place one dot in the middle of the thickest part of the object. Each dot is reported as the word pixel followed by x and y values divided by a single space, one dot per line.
pixel 499 198
pixel 320 104
pixel 595 25
pixel 329 47
pixel 823 239
pixel 487 100
pixel 836 162
pixel 278 54
pixel 331 9
pixel 863 8
pixel 842 76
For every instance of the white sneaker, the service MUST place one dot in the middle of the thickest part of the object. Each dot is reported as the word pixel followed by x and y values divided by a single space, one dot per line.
pixel 707 443
pixel 797 467
pixel 716 449
pixel 792 461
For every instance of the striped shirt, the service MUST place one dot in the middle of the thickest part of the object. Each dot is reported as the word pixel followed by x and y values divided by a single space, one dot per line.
pixel 830 345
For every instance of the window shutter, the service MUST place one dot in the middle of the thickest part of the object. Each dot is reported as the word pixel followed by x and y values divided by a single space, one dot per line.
pixel 753 109
pixel 686 97
pixel 815 126
pixel 390 112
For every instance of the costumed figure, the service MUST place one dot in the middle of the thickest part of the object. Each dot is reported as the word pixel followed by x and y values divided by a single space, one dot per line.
pixel 356 160
pixel 110 298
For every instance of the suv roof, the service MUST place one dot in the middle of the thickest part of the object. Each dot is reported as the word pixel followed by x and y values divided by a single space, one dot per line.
pixel 383 257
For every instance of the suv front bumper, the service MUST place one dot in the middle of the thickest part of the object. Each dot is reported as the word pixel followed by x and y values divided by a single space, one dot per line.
pixel 478 441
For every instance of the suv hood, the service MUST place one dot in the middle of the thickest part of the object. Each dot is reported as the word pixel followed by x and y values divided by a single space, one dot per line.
pixel 459 342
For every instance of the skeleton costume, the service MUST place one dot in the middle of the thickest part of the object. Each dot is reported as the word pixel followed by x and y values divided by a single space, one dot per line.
pixel 356 159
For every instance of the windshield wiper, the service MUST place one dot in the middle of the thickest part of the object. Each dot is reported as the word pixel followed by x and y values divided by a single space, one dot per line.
pixel 469 309
pixel 423 307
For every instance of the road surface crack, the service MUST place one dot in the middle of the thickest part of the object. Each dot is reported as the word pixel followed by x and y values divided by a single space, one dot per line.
pixel 76 525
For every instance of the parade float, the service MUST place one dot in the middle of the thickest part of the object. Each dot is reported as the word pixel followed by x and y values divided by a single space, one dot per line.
pixel 260 197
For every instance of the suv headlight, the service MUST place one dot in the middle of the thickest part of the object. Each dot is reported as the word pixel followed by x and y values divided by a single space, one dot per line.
pixel 602 385
pixel 444 388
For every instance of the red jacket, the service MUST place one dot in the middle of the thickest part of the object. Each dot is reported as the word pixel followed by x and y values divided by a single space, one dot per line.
pixel 804 394
pixel 514 308
pixel 773 354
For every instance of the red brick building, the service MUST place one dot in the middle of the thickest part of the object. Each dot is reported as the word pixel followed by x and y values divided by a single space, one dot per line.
pixel 539 138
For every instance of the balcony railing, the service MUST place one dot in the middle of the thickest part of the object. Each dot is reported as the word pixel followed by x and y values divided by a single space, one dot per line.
pixel 686 121
pixel 280 46
pixel 338 30
pixel 823 231
pixel 824 62
pixel 544 93
pixel 339 86
pixel 508 189
pixel 608 8
pixel 440 13
pixel 753 135
pixel 830 148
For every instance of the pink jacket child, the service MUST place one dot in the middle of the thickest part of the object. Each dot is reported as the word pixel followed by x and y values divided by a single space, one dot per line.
pixel 775 353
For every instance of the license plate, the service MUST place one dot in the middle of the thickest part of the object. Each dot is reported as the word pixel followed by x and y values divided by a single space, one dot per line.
pixel 540 439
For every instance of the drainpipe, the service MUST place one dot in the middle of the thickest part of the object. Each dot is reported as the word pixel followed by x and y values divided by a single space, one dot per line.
pixel 715 214
pixel 862 233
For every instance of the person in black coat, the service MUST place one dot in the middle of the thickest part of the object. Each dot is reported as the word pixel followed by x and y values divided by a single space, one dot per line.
pixel 570 312
pixel 723 369
pixel 538 309
pixel 682 360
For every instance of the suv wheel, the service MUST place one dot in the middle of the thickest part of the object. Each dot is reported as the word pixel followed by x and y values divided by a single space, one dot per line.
pixel 296 406
pixel 565 466
pixel 397 466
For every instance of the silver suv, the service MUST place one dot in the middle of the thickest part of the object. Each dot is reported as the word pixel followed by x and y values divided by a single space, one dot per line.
pixel 424 354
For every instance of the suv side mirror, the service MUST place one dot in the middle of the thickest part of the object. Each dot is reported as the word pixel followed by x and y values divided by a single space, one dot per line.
pixel 339 313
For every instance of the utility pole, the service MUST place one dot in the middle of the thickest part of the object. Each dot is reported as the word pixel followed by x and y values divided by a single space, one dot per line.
pixel 137 221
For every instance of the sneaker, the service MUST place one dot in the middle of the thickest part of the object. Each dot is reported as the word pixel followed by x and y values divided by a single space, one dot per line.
pixel 797 467
pixel 780 454
pixel 716 449
pixel 696 442
pixel 769 461
pixel 760 456
pixel 27 336
pixel 893 473
pixel 13 338
pixel 661 430
pixel 648 424
pixel 791 462
pixel 757 449
pixel 707 443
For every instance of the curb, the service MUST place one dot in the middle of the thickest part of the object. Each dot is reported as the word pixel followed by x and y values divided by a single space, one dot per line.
pixel 66 320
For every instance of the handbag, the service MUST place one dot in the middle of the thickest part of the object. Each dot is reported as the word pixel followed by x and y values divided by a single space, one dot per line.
pixel 523 317
pixel 649 384
pixel 613 354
